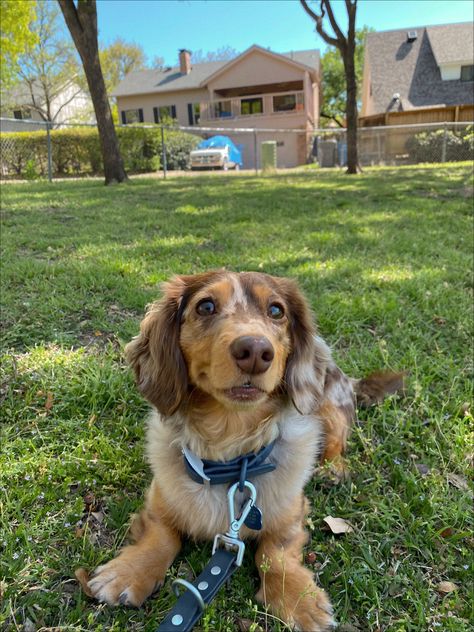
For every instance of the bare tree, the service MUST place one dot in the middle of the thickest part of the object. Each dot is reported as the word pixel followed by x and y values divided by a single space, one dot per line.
pixel 225 53
pixel 346 46
pixel 47 75
pixel 81 20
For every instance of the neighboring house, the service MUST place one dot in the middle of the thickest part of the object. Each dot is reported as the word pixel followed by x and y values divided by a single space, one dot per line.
pixel 68 104
pixel 419 75
pixel 259 88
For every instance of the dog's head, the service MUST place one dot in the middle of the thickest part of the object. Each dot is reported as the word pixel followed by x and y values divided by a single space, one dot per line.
pixel 241 338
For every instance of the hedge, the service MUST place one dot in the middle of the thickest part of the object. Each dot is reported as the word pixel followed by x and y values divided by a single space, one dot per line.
pixel 77 151
pixel 428 146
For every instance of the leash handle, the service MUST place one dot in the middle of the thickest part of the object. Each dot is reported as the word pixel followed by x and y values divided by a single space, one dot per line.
pixel 189 608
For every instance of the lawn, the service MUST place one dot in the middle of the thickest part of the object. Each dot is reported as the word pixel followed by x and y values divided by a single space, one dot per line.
pixel 385 260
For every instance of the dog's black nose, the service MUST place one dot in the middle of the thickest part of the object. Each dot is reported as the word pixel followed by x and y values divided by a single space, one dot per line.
pixel 252 355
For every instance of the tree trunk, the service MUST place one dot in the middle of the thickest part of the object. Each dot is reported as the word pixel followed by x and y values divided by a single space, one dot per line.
pixel 82 24
pixel 351 114
pixel 346 47
pixel 351 94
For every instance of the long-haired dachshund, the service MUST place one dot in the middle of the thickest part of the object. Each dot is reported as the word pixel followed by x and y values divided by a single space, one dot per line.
pixel 231 362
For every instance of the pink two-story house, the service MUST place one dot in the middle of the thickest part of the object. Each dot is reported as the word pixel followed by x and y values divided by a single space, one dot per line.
pixel 257 89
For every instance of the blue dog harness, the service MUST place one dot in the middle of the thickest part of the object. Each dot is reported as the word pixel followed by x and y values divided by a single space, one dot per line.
pixel 238 469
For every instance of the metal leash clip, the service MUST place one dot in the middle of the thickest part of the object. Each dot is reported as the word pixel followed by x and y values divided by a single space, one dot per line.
pixel 230 540
pixel 227 556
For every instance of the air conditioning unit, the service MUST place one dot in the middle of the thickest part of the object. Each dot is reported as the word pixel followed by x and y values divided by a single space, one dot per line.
pixel 412 36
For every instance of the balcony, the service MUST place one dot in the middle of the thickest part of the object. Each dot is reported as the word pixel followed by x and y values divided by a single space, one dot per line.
pixel 252 105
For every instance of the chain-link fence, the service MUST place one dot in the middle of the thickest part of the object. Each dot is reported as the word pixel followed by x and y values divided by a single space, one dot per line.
pixel 30 149
pixel 405 144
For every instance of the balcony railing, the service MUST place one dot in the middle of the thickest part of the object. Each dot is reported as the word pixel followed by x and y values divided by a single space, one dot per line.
pixel 253 105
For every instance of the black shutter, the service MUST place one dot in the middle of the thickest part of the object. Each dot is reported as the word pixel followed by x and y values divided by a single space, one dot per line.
pixel 140 115
pixel 156 116
pixel 173 111
pixel 190 114
pixel 124 118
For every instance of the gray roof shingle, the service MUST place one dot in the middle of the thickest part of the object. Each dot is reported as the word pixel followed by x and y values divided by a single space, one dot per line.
pixel 452 42
pixel 411 70
pixel 151 81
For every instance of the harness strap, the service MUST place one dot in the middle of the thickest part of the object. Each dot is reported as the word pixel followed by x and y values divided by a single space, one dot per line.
pixel 188 609
pixel 238 469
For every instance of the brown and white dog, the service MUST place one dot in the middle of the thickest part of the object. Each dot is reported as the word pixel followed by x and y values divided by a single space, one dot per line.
pixel 231 362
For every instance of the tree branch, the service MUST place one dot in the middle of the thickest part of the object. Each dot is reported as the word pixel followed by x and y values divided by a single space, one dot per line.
pixel 67 102
pixel 331 118
pixel 318 19
pixel 340 35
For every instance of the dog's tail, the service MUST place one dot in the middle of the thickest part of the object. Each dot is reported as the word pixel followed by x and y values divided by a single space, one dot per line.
pixel 373 388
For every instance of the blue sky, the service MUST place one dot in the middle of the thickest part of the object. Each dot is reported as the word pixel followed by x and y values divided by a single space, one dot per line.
pixel 164 26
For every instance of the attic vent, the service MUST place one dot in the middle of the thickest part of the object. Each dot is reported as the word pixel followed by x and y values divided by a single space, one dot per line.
pixel 412 36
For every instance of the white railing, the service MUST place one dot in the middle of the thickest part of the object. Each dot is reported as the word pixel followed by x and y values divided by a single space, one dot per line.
pixel 231 108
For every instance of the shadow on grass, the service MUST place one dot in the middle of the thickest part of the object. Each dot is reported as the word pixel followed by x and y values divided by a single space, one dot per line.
pixel 80 257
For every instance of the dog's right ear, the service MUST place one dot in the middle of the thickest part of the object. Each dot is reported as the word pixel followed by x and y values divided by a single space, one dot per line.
pixel 155 354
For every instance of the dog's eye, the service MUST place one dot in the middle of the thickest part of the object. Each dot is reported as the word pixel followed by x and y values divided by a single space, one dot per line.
pixel 206 307
pixel 275 311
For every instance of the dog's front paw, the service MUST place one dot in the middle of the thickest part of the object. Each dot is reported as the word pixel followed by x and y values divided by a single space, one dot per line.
pixel 307 610
pixel 314 613
pixel 122 581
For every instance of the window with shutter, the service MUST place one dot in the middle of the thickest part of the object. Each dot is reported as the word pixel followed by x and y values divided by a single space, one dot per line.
pixel 163 112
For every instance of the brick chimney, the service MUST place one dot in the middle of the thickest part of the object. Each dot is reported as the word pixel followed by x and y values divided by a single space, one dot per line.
pixel 184 61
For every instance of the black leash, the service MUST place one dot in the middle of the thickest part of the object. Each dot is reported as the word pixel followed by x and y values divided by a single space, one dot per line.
pixel 227 556
pixel 190 605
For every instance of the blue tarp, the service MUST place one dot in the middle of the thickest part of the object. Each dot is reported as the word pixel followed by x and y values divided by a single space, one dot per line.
pixel 235 155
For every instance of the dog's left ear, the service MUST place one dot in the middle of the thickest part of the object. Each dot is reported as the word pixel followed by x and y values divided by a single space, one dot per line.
pixel 307 362
pixel 155 354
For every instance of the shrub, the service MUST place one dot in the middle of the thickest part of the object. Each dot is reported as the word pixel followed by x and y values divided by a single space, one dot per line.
pixel 19 149
pixel 428 146
pixel 77 151
pixel 178 147
pixel 140 148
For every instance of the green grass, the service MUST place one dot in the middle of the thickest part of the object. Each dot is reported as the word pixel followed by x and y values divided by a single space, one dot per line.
pixel 385 260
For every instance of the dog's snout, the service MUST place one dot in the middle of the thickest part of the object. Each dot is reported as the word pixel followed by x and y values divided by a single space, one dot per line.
pixel 253 355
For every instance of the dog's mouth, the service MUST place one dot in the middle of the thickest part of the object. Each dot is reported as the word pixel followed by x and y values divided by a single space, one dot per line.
pixel 244 393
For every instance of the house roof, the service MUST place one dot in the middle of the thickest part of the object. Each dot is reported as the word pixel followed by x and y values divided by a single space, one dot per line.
pixel 452 42
pixel 171 80
pixel 21 94
pixel 302 59
pixel 411 69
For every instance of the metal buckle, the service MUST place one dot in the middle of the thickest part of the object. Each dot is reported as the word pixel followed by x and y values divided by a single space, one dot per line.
pixel 231 539
pixel 192 589
pixel 229 544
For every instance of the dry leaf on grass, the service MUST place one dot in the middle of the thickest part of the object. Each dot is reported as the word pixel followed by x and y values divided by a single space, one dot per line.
pixel 422 468
pixel 245 625
pixel 338 525
pixel 447 533
pixel 79 532
pixel 457 481
pixel 82 577
pixel 446 587
pixel 310 557
pixel 49 401
pixel 28 626
pixel 98 515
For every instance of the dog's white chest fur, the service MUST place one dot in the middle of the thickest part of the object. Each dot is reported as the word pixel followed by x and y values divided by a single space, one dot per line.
pixel 202 509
